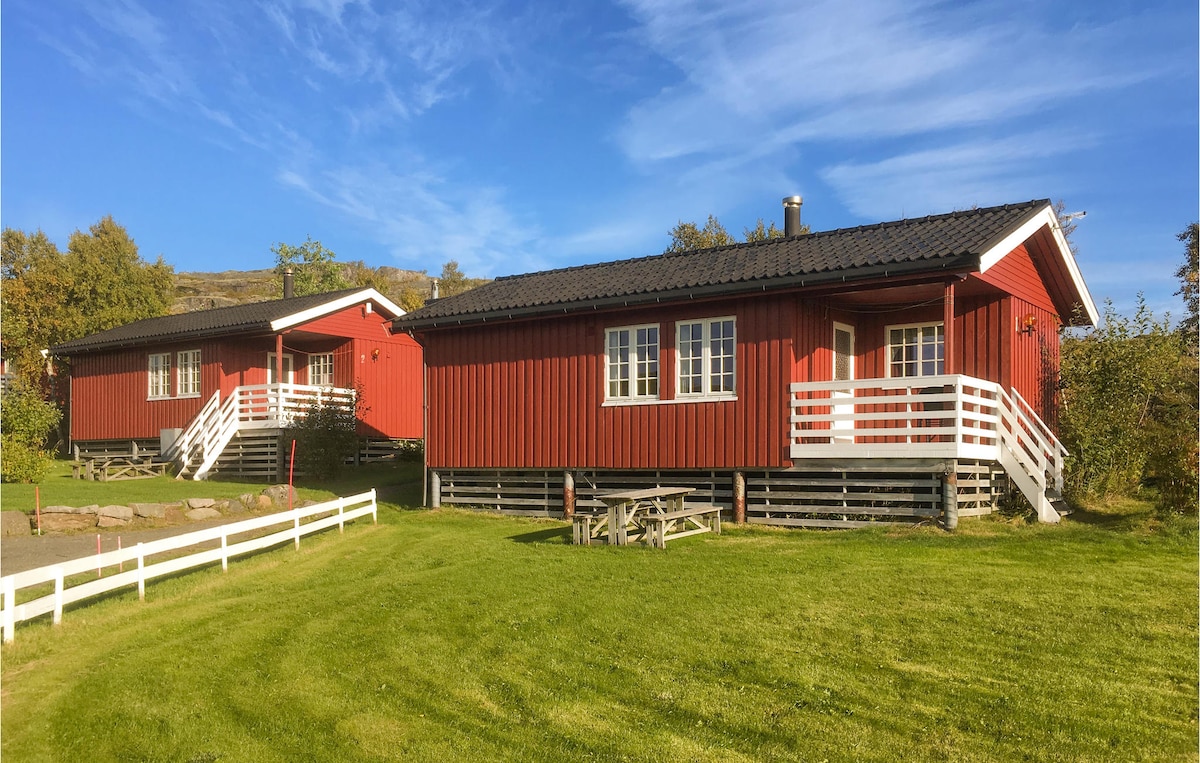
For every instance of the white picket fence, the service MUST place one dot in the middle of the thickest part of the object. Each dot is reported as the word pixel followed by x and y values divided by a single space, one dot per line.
pixel 339 510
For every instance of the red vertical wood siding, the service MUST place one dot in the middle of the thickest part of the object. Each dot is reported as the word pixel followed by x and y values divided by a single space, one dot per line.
pixel 109 393
pixel 1035 358
pixel 531 394
pixel 108 390
pixel 1017 274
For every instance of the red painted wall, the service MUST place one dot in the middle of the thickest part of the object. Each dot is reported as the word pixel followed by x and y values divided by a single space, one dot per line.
pixel 108 390
pixel 531 394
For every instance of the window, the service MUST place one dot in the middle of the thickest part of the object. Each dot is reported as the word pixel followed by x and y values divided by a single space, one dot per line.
pixel 160 375
pixel 187 374
pixel 707 349
pixel 320 370
pixel 632 368
pixel 916 350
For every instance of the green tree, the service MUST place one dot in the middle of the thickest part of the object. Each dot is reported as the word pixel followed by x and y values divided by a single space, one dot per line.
pixel 453 281
pixel 1124 391
pixel 49 297
pixel 315 269
pixel 688 237
pixel 26 428
pixel 1189 285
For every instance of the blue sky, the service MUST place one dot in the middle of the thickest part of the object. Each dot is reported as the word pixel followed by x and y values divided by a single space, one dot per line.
pixel 522 136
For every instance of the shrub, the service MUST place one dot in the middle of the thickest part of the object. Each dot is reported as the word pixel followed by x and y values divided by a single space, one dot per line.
pixel 1129 409
pixel 26 425
pixel 326 437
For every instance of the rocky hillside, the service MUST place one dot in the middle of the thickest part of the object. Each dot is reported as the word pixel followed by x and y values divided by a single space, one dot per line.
pixel 202 291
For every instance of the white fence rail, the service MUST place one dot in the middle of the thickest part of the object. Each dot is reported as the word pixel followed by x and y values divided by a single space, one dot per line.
pixel 338 511
pixel 948 416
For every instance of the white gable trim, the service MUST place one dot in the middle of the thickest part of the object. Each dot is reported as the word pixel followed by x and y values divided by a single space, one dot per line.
pixel 1022 234
pixel 366 295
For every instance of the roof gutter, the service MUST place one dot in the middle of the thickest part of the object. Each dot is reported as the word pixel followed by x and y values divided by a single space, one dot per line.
pixel 957 263
pixel 119 344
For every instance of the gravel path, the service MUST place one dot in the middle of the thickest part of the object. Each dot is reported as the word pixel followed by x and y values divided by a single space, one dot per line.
pixel 18 553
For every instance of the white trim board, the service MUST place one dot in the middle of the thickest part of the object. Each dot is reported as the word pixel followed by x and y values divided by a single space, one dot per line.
pixel 366 295
pixel 1022 234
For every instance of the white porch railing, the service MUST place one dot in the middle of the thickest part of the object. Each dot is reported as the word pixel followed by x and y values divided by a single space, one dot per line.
pixel 338 512
pixel 257 406
pixel 949 416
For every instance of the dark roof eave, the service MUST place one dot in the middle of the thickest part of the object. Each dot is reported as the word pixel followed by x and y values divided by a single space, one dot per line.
pixel 119 344
pixel 957 263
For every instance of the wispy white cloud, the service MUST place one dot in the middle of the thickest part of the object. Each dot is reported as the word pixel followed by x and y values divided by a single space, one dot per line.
pixel 423 218
pixel 760 78
pixel 951 177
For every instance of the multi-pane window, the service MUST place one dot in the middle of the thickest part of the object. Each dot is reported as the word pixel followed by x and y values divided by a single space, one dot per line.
pixel 916 350
pixel 632 362
pixel 707 351
pixel 187 373
pixel 320 370
pixel 160 375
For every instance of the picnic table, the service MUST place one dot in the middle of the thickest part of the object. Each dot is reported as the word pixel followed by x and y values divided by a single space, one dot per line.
pixel 118 468
pixel 654 515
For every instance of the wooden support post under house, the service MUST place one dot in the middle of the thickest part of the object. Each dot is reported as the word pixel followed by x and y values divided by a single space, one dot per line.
pixel 435 490
pixel 950 497
pixel 739 498
pixel 568 495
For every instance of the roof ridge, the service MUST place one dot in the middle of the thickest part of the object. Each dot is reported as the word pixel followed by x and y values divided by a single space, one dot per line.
pixel 769 241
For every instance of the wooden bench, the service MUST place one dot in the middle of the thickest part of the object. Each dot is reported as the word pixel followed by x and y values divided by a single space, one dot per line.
pixel 675 524
pixel 587 526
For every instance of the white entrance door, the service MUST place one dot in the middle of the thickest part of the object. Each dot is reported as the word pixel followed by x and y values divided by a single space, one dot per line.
pixel 843 370
pixel 288 376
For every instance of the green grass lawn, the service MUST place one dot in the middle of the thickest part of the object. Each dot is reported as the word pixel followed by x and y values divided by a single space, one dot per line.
pixel 442 635
pixel 61 489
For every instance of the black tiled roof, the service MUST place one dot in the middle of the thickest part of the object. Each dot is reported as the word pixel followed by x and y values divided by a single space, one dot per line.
pixel 238 319
pixel 927 244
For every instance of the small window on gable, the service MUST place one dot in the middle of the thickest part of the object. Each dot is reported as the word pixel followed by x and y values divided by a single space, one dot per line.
pixel 918 350
pixel 707 352
pixel 187 374
pixel 320 370
pixel 631 370
pixel 160 375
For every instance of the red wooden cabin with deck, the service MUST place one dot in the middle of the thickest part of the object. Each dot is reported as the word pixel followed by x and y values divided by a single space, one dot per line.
pixel 213 389
pixel 884 372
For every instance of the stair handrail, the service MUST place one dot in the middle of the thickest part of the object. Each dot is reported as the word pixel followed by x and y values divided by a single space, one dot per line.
pixel 181 448
pixel 217 436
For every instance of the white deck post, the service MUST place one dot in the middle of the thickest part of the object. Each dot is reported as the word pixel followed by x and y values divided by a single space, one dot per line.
pixel 10 607
pixel 141 573
pixel 58 595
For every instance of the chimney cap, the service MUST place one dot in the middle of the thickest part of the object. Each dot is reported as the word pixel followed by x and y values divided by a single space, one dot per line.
pixel 793 201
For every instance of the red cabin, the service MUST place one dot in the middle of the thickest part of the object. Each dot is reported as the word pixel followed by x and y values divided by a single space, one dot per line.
pixel 832 378
pixel 212 389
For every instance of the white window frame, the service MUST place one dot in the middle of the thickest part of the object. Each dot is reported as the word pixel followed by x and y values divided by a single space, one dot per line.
pixel 707 357
pixel 318 360
pixel 158 374
pixel 640 358
pixel 187 373
pixel 920 361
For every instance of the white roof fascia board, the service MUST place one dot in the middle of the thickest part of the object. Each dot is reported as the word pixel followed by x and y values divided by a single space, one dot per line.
pixel 366 295
pixel 1022 234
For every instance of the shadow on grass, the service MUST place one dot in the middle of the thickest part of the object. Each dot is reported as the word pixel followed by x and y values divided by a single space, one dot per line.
pixel 1118 515
pixel 556 535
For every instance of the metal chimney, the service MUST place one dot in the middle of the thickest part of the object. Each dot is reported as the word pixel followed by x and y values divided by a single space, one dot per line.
pixel 433 290
pixel 289 284
pixel 791 215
